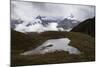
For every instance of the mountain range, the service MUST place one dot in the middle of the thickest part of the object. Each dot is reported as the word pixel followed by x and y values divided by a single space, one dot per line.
pixel 41 24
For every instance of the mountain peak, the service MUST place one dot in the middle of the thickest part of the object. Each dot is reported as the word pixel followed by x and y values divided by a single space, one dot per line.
pixel 46 23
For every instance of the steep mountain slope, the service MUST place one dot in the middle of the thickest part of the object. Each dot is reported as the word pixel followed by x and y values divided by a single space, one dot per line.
pixel 87 27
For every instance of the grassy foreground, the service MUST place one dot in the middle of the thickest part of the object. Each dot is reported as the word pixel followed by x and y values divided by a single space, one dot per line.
pixel 23 42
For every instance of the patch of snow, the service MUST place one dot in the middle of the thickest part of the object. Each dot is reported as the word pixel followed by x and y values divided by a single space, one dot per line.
pixel 68 29
pixel 52 45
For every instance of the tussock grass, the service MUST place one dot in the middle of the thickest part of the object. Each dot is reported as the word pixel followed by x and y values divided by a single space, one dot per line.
pixel 23 42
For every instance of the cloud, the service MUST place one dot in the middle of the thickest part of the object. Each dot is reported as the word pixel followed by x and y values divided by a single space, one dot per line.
pixel 36 27
pixel 28 10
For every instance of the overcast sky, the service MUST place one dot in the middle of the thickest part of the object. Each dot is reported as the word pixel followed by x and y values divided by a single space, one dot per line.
pixel 27 10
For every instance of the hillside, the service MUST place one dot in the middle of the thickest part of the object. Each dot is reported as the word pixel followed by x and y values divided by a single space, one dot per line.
pixel 22 42
pixel 87 27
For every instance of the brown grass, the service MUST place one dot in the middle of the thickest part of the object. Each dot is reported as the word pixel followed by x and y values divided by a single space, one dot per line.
pixel 85 43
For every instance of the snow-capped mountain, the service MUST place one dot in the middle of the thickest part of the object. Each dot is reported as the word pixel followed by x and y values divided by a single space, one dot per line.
pixel 44 23
pixel 36 26
pixel 67 23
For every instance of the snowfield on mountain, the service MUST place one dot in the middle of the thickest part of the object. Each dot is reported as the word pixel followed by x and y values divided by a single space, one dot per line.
pixel 42 24
pixel 52 45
